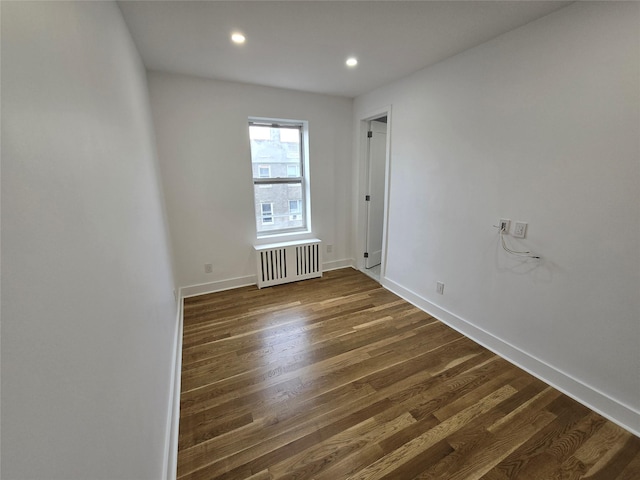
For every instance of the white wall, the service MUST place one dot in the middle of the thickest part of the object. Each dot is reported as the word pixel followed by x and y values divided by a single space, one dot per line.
pixel 87 306
pixel 203 146
pixel 539 125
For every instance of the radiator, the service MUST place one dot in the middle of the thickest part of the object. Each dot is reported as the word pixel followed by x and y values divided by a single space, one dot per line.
pixel 288 262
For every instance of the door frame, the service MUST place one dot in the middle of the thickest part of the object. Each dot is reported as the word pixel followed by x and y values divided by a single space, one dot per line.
pixel 363 179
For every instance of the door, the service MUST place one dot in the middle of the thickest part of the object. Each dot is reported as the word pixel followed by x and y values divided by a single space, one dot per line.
pixel 376 179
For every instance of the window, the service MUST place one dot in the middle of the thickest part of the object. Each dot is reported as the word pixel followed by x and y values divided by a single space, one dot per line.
pixel 266 213
pixel 295 209
pixel 264 171
pixel 279 166
pixel 293 170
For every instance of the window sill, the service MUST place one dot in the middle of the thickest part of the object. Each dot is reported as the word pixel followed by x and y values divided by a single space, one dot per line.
pixel 284 237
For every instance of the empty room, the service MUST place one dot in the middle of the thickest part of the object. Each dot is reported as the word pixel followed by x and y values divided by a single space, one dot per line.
pixel 320 240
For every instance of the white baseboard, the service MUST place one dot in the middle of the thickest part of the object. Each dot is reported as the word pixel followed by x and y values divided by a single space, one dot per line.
pixel 619 413
pixel 337 264
pixel 170 466
pixel 218 286
pixel 221 285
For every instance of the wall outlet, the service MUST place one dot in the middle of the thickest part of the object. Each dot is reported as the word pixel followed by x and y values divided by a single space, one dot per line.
pixel 504 225
pixel 440 288
pixel 520 230
pixel 208 268
pixel 329 248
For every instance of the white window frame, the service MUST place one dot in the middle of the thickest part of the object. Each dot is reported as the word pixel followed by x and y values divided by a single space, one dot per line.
pixel 302 180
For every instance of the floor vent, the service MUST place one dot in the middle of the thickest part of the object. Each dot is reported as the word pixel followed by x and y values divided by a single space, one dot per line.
pixel 288 262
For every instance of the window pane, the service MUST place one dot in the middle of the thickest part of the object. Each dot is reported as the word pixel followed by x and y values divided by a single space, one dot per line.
pixel 259 133
pixel 290 135
pixel 275 203
pixel 295 209
pixel 293 171
pixel 276 149
pixel 294 206
pixel 267 213
pixel 264 171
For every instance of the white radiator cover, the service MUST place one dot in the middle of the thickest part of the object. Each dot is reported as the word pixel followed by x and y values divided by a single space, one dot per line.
pixel 288 262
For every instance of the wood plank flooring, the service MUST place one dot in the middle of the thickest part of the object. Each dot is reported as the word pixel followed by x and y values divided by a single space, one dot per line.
pixel 337 378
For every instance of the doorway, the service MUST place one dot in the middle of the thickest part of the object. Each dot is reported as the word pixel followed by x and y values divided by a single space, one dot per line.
pixel 375 169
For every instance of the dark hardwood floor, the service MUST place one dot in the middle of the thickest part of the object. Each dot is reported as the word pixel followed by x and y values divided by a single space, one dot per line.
pixel 337 378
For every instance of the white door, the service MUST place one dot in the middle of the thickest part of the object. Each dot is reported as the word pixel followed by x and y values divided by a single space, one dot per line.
pixel 375 205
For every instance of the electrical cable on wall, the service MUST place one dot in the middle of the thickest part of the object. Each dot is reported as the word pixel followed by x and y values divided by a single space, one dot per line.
pixel 510 251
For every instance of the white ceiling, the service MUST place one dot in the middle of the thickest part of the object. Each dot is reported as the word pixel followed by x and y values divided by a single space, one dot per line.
pixel 303 45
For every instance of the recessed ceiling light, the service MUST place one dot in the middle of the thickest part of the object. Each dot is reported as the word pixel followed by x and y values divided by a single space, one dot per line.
pixel 352 62
pixel 237 37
